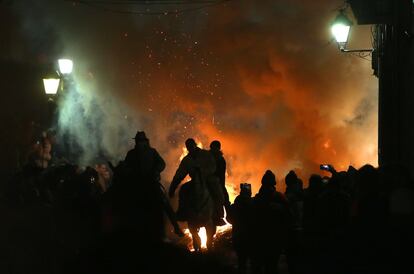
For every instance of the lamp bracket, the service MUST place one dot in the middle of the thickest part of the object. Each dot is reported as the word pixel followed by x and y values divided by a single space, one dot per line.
pixel 356 50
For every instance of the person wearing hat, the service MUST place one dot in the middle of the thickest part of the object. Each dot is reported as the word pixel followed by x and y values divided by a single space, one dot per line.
pixel 144 160
pixel 138 193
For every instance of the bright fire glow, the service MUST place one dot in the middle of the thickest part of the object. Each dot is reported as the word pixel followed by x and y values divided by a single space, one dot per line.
pixel 220 230
pixel 51 85
pixel 224 228
pixel 185 151
pixel 203 234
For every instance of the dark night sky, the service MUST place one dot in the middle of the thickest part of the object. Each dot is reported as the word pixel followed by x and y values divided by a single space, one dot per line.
pixel 261 76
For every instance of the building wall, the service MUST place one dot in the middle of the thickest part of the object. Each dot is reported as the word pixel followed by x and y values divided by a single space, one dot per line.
pixel 396 92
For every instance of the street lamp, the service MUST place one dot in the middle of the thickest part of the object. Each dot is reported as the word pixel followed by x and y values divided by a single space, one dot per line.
pixel 340 30
pixel 52 82
pixel 65 66
pixel 51 85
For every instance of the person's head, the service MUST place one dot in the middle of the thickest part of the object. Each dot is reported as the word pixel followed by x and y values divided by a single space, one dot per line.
pixel 368 179
pixel 103 170
pixel 191 145
pixel 315 182
pixel 246 189
pixel 269 179
pixel 291 178
pixel 339 181
pixel 215 145
pixel 141 139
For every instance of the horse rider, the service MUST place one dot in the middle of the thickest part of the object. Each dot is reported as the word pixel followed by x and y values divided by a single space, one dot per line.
pixel 200 165
pixel 139 190
pixel 143 160
pixel 197 160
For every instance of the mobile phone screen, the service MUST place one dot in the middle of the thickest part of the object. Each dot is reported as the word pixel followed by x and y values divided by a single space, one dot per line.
pixel 324 167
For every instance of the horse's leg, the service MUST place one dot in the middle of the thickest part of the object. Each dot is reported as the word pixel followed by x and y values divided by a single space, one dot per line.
pixel 210 231
pixel 196 239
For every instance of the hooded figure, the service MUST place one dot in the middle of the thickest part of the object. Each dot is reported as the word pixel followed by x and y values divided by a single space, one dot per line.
pixel 294 195
pixel 271 219
pixel 240 216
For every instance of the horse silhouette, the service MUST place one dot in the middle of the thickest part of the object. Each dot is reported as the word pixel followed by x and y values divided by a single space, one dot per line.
pixel 197 207
pixel 139 204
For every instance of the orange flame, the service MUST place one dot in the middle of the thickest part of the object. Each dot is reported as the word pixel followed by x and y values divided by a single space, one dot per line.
pixel 202 233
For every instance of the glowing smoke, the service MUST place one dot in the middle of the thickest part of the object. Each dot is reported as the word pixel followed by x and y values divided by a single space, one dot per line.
pixel 89 126
pixel 257 75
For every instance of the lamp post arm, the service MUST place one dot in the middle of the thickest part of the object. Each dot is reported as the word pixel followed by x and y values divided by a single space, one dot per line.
pixel 356 50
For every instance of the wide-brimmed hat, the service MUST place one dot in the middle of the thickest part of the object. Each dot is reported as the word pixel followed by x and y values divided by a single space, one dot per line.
pixel 140 136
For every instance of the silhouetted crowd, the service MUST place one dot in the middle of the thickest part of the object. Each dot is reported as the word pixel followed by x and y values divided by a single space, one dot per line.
pixel 61 218
pixel 356 221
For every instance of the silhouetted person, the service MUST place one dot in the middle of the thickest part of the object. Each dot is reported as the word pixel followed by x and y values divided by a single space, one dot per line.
pixel 271 218
pixel 86 204
pixel 310 221
pixel 294 195
pixel 220 173
pixel 400 215
pixel 333 217
pixel 144 160
pixel 41 154
pixel 197 161
pixel 370 221
pixel 34 170
pixel 200 165
pixel 104 177
pixel 311 194
pixel 137 191
pixel 240 216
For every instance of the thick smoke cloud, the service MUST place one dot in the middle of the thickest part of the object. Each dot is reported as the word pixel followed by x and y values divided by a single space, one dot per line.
pixel 260 76
pixel 92 127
